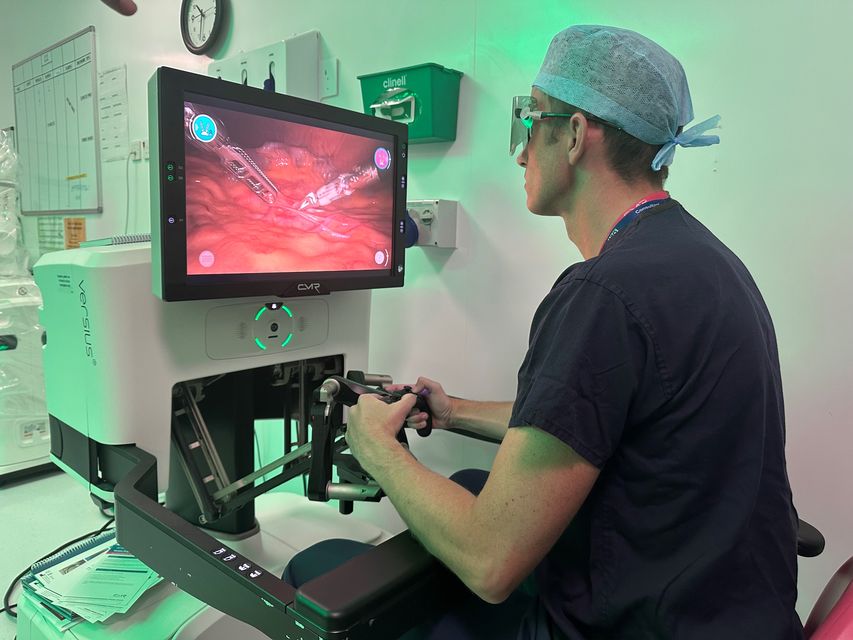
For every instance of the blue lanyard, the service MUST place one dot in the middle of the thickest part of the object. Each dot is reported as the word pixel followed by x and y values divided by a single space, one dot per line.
pixel 633 214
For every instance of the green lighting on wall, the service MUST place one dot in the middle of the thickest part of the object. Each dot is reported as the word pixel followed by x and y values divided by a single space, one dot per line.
pixel 288 311
pixel 258 314
pixel 260 344
pixel 289 338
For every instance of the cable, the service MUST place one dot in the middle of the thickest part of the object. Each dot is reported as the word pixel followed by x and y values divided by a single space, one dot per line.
pixel 127 193
pixel 7 606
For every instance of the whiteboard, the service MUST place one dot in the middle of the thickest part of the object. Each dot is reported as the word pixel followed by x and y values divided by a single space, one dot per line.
pixel 57 128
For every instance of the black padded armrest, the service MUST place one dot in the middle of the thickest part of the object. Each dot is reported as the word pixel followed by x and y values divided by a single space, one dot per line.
pixel 810 541
pixel 379 594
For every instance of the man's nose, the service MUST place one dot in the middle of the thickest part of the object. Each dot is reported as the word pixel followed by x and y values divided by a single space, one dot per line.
pixel 521 159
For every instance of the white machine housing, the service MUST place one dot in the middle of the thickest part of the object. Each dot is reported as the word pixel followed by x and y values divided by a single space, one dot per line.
pixel 114 351
pixel 24 432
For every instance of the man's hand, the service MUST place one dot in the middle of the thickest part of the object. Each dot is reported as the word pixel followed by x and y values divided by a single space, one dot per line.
pixel 440 404
pixel 485 418
pixel 124 7
pixel 372 428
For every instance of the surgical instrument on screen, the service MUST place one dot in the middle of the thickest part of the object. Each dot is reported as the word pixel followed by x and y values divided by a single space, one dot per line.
pixel 343 185
pixel 208 133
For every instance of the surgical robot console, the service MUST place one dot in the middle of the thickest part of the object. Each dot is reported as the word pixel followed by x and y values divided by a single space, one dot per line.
pixel 153 396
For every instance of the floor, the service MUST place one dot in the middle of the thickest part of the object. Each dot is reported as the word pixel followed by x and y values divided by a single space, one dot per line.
pixel 36 517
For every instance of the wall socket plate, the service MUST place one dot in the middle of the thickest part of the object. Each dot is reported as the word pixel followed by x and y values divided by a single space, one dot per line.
pixel 136 150
pixel 139 150
pixel 436 221
pixel 328 78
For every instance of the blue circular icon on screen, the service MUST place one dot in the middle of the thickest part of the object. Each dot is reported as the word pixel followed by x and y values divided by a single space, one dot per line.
pixel 382 158
pixel 204 128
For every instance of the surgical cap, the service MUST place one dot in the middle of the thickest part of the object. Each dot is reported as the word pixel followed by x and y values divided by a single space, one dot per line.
pixel 629 81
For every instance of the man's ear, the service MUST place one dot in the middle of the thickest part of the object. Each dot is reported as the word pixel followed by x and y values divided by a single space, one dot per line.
pixel 576 138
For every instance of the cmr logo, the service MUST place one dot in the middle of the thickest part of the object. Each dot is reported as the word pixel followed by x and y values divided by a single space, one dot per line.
pixel 308 287
pixel 391 83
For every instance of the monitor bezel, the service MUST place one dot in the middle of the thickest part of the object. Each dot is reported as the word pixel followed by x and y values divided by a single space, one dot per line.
pixel 168 90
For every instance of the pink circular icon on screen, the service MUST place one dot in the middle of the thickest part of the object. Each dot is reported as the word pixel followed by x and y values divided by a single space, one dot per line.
pixel 206 258
pixel 382 158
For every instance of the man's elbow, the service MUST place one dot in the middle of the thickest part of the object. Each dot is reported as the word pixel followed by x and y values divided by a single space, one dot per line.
pixel 493 584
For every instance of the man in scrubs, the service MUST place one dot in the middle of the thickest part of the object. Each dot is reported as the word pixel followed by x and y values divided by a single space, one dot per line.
pixel 640 483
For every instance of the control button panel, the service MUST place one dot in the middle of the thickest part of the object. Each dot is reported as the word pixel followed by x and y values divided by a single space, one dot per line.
pixel 242 565
pixel 173 171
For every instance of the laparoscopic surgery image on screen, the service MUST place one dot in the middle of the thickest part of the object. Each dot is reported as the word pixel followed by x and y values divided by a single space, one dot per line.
pixel 265 195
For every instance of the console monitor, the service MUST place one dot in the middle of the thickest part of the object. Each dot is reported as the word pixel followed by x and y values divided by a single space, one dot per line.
pixel 258 193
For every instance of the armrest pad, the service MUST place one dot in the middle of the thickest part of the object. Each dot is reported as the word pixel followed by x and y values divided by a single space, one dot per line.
pixel 393 586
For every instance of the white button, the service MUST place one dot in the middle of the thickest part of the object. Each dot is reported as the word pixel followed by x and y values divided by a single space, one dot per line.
pixel 206 258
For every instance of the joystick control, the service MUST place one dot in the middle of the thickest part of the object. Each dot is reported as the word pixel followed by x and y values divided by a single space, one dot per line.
pixel 347 391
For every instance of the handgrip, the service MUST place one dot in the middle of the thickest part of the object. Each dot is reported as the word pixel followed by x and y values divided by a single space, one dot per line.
pixel 348 391
pixel 422 405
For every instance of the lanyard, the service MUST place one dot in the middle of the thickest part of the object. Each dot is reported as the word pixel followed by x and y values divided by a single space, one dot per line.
pixel 649 202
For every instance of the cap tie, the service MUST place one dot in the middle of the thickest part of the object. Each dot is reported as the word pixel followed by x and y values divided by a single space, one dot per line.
pixel 691 137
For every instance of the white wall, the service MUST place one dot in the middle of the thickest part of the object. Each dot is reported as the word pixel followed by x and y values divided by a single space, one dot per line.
pixel 777 190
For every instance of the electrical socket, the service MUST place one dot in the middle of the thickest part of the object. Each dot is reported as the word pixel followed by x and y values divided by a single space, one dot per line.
pixel 145 153
pixel 436 222
pixel 328 78
pixel 136 150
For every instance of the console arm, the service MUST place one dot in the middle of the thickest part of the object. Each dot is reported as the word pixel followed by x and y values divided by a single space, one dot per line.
pixel 375 596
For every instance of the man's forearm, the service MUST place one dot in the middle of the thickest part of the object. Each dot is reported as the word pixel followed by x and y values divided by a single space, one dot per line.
pixel 439 512
pixel 489 419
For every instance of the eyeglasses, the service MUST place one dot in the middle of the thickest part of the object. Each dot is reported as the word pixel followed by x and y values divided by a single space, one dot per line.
pixel 523 115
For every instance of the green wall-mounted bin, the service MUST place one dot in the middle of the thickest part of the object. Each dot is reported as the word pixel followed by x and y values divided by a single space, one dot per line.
pixel 425 97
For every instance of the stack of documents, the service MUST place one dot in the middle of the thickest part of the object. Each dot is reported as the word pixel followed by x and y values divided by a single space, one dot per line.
pixel 90 581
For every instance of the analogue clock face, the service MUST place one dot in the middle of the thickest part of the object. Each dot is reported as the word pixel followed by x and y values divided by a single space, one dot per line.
pixel 200 23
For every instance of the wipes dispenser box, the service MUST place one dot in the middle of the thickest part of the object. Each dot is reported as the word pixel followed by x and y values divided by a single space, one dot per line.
pixel 425 97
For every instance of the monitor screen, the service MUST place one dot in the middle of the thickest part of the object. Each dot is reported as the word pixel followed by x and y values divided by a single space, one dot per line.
pixel 264 194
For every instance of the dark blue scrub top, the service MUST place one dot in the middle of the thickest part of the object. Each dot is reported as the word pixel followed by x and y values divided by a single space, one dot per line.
pixel 657 362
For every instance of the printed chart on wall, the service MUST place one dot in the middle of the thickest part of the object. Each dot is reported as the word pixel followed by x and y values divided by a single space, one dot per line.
pixel 56 121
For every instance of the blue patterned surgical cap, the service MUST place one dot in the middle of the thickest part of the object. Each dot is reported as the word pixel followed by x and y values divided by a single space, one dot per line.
pixel 629 81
